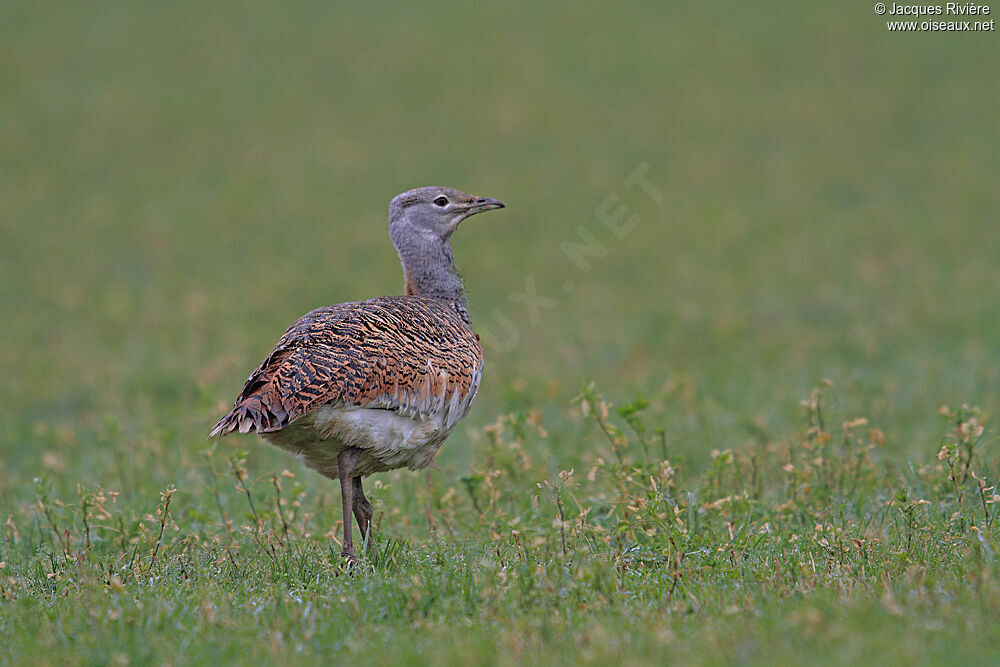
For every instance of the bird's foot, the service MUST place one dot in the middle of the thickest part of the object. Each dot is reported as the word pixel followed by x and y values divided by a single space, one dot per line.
pixel 348 559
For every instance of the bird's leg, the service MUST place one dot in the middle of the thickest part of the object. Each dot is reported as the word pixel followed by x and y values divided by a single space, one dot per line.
pixel 362 510
pixel 345 470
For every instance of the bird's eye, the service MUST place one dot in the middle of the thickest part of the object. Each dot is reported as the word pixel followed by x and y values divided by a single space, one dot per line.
pixel 441 201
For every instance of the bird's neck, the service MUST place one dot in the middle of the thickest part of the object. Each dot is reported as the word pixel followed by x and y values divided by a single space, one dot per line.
pixel 429 270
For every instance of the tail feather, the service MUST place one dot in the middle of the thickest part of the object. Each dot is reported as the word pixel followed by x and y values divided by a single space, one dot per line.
pixel 252 414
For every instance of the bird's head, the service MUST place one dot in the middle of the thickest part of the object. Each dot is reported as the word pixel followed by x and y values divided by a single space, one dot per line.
pixel 434 212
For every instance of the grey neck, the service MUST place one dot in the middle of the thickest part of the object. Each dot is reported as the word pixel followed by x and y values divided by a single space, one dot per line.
pixel 428 267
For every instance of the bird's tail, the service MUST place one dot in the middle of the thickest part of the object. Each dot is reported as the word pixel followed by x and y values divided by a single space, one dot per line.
pixel 252 414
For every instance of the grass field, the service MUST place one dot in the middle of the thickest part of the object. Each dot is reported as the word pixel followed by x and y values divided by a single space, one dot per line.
pixel 756 423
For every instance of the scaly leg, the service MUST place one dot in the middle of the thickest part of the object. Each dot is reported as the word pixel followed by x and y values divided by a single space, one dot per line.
pixel 345 470
pixel 362 509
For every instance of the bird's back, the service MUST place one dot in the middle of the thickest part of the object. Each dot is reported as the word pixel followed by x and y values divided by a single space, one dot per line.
pixel 413 356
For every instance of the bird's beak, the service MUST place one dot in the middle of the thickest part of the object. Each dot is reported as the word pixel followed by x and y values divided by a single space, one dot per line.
pixel 484 204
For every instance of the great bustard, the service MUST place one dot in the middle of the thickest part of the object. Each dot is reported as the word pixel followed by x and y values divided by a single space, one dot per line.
pixel 359 388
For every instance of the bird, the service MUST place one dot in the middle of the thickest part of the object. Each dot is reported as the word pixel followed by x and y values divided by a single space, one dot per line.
pixel 364 387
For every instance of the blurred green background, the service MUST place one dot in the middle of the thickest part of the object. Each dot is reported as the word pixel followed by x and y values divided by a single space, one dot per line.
pixel 179 181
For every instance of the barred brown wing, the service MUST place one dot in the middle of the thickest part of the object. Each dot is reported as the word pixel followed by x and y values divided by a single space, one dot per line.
pixel 413 355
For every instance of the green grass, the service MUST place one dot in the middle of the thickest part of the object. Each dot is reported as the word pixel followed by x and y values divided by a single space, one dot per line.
pixel 817 546
pixel 179 182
